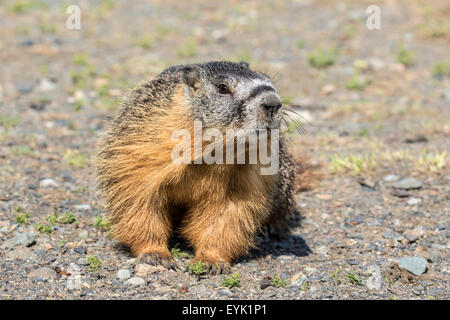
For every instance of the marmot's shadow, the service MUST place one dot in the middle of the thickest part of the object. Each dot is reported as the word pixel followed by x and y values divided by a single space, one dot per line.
pixel 284 244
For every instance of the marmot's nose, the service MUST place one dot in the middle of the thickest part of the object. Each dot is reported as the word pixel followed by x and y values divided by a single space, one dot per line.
pixel 271 103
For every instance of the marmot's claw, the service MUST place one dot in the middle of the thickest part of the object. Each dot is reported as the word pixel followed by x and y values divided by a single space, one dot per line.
pixel 219 267
pixel 156 259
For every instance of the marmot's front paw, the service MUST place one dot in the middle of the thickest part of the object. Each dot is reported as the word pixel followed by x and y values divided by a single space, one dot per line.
pixel 155 258
pixel 219 267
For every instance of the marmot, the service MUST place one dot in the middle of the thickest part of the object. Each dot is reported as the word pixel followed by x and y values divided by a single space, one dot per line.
pixel 219 207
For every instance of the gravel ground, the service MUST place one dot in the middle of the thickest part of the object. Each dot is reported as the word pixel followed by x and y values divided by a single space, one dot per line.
pixel 376 225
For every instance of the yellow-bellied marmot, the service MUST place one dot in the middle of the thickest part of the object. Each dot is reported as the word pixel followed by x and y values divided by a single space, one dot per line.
pixel 220 207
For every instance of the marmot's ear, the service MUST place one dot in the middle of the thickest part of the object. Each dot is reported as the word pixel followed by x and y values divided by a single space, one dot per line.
pixel 191 76
pixel 244 64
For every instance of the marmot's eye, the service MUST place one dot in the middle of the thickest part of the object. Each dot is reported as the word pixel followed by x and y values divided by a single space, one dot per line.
pixel 223 88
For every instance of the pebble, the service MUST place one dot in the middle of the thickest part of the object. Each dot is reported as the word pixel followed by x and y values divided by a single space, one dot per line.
pixel 83 261
pixel 407 184
pixel 24 87
pixel 26 238
pixel 82 207
pixel 83 234
pixel 21 254
pixel 73 269
pixel 391 178
pixel 143 269
pixel 225 292
pixel 48 183
pixel 415 265
pixel 135 281
pixel 414 201
pixel 123 274
pixel 46 85
pixel 298 279
pixel 265 283
pixel 73 282
pixel 80 250
pixel 322 250
pixel 310 270
pixel 375 281
pixel 43 273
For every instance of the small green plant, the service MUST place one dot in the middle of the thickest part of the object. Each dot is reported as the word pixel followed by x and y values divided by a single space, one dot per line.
pixel 197 268
pixel 67 218
pixel 24 6
pixel 44 228
pixel 322 57
pixel 404 56
pixel 305 286
pixel 231 282
pixel 301 44
pixel 94 264
pixel 187 49
pixel 278 282
pixel 22 218
pixel 53 218
pixel 352 277
pixel 7 123
pixel 431 161
pixel 335 274
pixel 80 59
pixel 145 42
pixel 356 164
pixel 357 82
pixel 62 243
pixel 102 224
pixel 76 158
pixel 177 253
pixel 441 69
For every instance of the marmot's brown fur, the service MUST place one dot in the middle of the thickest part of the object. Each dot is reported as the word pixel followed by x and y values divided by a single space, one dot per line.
pixel 220 207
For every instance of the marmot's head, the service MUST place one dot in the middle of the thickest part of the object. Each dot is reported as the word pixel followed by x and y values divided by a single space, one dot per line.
pixel 230 95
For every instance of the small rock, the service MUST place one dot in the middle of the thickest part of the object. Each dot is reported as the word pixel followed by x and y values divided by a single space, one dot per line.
pixel 298 279
pixel 82 207
pixel 310 270
pixel 407 184
pixel 46 85
pixel 83 262
pixel 415 265
pixel 400 193
pixel 21 254
pixel 74 282
pixel 80 250
pixel 24 238
pixel 43 273
pixel 416 139
pixel 143 269
pixel 73 269
pixel 266 282
pixel 83 234
pixel 48 183
pixel 366 182
pixel 446 95
pixel 389 234
pixel 414 201
pixel 375 281
pixel 24 87
pixel 322 250
pixel 123 274
pixel 225 292
pixel 391 178
pixel 328 89
pixel 135 281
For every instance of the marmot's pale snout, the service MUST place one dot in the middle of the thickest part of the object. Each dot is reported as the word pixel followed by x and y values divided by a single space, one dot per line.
pixel 218 208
